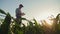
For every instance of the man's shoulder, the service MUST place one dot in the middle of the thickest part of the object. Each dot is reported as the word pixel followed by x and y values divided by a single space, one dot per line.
pixel 17 8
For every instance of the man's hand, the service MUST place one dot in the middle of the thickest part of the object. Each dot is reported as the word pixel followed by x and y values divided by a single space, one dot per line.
pixel 22 14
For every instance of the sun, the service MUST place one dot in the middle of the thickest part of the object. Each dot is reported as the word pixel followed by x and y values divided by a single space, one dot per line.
pixel 49 22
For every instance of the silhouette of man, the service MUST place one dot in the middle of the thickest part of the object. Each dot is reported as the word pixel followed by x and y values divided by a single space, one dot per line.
pixel 19 14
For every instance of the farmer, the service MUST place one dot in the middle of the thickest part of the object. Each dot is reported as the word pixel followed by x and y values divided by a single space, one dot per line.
pixel 19 14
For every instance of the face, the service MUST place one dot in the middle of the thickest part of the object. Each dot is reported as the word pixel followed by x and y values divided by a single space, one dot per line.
pixel 20 6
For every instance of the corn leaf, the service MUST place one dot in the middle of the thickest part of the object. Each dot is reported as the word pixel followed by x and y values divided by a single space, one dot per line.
pixel 1 11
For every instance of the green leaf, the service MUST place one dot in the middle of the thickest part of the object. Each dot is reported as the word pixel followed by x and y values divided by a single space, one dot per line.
pixel 1 11
pixel 35 22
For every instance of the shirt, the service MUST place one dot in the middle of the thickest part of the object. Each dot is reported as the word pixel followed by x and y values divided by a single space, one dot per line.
pixel 18 11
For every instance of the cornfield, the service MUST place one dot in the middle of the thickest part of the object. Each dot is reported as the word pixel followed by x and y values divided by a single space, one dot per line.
pixel 12 27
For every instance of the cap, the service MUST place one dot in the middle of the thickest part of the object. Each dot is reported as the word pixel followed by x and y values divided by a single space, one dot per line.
pixel 21 5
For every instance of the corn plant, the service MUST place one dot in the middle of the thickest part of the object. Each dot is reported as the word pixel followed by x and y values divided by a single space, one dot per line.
pixel 6 24
pixel 31 28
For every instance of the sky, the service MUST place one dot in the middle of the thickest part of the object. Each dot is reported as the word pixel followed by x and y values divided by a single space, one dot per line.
pixel 38 9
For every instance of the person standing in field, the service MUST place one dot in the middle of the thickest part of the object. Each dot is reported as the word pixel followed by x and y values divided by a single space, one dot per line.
pixel 19 14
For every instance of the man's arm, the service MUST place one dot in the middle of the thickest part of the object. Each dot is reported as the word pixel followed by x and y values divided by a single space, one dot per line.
pixel 22 14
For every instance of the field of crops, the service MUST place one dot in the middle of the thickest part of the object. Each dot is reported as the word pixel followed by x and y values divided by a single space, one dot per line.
pixel 13 27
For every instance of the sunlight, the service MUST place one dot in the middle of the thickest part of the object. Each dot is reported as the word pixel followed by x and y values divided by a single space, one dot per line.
pixel 49 22
pixel 46 15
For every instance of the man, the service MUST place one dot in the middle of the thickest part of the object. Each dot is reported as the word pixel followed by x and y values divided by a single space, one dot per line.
pixel 19 14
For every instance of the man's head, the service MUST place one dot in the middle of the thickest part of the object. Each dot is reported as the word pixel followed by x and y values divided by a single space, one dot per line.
pixel 20 6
